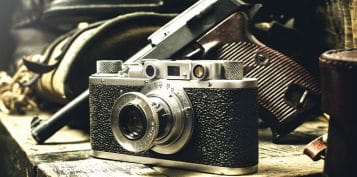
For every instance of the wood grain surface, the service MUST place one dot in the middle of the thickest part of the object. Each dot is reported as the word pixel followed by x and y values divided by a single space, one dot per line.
pixel 67 153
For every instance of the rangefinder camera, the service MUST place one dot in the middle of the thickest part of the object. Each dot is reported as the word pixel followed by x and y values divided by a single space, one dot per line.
pixel 198 115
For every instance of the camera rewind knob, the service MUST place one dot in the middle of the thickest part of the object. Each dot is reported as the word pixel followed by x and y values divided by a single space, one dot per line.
pixel 109 66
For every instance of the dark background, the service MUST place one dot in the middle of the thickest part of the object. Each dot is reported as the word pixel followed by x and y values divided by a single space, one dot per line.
pixel 6 42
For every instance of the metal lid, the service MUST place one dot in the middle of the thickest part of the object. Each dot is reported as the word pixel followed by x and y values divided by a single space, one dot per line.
pixel 343 55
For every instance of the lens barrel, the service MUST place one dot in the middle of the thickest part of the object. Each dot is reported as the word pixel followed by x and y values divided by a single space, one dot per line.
pixel 155 119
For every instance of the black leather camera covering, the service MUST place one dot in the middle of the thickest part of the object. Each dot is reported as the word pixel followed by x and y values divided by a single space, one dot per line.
pixel 225 129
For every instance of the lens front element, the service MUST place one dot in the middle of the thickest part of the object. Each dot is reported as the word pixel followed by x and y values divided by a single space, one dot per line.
pixel 132 122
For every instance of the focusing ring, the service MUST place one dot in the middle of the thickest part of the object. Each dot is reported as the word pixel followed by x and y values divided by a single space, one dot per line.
pixel 182 115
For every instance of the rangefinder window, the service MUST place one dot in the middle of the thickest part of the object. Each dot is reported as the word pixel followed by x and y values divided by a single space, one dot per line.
pixel 150 71
pixel 173 71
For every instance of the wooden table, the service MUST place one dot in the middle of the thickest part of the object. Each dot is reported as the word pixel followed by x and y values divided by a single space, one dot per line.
pixel 68 153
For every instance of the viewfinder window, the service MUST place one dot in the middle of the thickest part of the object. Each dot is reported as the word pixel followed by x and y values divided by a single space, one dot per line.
pixel 173 71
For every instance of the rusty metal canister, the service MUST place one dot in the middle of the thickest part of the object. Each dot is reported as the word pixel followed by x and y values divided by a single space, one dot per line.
pixel 339 100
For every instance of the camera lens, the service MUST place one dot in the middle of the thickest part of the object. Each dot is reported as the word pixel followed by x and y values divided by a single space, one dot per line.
pixel 158 118
pixel 132 122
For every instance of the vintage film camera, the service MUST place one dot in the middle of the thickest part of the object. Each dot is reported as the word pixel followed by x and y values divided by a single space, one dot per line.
pixel 288 94
pixel 199 115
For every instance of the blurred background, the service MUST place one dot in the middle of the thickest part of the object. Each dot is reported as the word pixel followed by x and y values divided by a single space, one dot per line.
pixel 7 7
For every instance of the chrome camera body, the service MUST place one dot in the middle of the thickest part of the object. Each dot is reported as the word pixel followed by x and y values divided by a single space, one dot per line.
pixel 199 115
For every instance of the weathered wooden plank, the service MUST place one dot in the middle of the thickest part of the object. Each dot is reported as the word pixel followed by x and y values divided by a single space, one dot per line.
pixel 275 159
pixel 20 154
pixel 278 160
pixel 13 160
pixel 268 167
pixel 63 141
pixel 68 154
pixel 95 168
